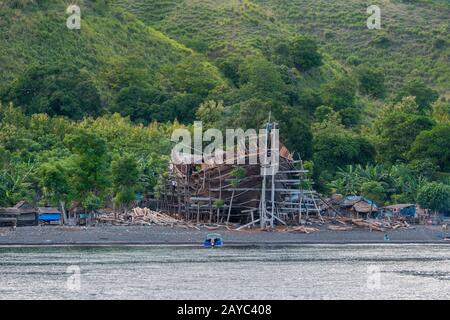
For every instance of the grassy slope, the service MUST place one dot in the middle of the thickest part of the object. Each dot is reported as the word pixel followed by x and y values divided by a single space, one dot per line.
pixel 217 28
pixel 411 28
pixel 205 25
pixel 36 35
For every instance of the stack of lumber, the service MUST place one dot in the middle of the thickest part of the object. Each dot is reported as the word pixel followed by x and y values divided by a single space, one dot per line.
pixel 144 216
pixel 140 217
pixel 108 218
pixel 400 225
pixel 339 228
pixel 313 220
pixel 346 224
pixel 301 229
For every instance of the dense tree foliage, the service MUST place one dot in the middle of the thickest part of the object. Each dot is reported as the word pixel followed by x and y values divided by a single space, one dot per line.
pixel 383 183
pixel 433 145
pixel 397 127
pixel 56 90
pixel 424 95
pixel 435 196
pixel 340 94
pixel 441 112
pixel 295 132
pixel 90 160
pixel 189 76
pixel 142 104
pixel 371 81
pixel 304 53
pixel 335 147
pixel 51 159
pixel 53 179
pixel 125 174
pixel 262 78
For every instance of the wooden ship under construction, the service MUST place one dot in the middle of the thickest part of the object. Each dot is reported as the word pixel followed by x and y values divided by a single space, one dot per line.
pixel 243 194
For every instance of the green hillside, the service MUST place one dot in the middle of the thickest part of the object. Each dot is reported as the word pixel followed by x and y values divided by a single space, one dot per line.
pixel 208 25
pixel 368 110
pixel 216 28
pixel 113 48
pixel 414 40
pixel 232 34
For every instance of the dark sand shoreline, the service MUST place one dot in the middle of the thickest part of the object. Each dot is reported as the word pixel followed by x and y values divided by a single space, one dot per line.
pixel 160 235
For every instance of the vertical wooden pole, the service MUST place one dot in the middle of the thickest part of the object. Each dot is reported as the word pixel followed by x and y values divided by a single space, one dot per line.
pixel 272 198
pixel 229 209
pixel 209 195
pixel 198 212
pixel 220 193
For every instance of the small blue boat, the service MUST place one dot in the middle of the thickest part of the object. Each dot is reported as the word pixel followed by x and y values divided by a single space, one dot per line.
pixel 213 240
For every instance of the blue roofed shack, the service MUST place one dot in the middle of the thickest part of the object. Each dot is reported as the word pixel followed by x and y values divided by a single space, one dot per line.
pixel 405 210
pixel 49 215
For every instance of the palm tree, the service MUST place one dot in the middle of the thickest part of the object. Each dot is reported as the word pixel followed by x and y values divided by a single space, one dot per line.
pixel 348 181
pixel 15 182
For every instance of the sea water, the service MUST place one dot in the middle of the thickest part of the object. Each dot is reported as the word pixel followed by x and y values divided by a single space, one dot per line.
pixel 253 272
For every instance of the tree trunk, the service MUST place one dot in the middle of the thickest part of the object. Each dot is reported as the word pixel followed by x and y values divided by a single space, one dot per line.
pixel 63 209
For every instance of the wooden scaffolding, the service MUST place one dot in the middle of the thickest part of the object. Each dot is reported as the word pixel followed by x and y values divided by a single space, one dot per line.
pixel 268 194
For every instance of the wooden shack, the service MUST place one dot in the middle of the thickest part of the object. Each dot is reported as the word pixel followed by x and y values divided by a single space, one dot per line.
pixel 405 210
pixel 8 217
pixel 28 214
pixel 359 206
pixel 49 215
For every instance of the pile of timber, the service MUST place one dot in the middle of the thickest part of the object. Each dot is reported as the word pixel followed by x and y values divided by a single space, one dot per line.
pixel 145 216
pixel 301 229
pixel 347 224
pixel 339 228
pixel 142 217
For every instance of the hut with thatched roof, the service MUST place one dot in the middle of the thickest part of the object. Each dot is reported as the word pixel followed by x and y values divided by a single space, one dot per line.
pixel 359 205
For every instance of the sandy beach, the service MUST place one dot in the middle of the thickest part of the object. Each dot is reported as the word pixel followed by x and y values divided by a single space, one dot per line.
pixel 148 235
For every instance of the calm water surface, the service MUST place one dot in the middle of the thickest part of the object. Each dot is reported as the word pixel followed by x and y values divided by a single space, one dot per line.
pixel 295 272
